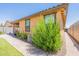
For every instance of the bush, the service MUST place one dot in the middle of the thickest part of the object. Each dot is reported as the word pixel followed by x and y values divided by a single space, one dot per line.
pixel 21 35
pixel 47 36
pixel 1 33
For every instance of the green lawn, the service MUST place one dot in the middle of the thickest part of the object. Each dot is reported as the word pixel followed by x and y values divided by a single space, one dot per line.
pixel 7 50
pixel 1 33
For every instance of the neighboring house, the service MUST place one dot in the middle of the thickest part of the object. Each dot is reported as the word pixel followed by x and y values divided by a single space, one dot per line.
pixel 8 24
pixel 15 23
pixel 7 27
pixel 58 14
pixel 16 26
pixel 74 31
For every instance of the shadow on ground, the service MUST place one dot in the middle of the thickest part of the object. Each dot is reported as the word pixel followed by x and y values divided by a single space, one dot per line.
pixel 32 50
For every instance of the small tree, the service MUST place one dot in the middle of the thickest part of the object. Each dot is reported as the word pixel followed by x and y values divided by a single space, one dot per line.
pixel 47 36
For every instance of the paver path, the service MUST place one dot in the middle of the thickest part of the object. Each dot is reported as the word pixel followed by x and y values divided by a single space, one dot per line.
pixel 72 48
pixel 24 47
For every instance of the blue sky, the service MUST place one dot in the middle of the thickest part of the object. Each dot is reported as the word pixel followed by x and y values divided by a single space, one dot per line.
pixel 73 14
pixel 17 11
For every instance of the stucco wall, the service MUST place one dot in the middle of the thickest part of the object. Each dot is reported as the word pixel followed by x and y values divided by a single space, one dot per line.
pixel 60 20
pixel 34 20
pixel 74 31
pixel 22 25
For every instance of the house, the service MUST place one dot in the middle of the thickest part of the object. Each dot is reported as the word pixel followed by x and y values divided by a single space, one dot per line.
pixel 73 31
pixel 58 14
pixel 8 24
pixel 7 27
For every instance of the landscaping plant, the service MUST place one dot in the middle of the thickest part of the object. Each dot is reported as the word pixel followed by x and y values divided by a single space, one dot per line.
pixel 21 35
pixel 47 36
pixel 1 33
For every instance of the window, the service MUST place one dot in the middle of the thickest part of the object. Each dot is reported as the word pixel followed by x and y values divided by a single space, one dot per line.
pixel 48 17
pixel 27 25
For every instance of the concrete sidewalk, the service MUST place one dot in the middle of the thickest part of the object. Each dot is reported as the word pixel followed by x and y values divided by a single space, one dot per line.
pixel 72 48
pixel 25 48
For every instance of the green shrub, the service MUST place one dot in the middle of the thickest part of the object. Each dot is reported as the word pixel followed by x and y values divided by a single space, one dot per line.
pixel 1 33
pixel 47 36
pixel 21 35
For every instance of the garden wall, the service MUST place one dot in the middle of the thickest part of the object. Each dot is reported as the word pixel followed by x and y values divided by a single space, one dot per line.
pixel 74 31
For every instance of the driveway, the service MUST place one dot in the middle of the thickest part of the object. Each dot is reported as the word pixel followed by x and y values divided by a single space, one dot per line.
pixel 72 48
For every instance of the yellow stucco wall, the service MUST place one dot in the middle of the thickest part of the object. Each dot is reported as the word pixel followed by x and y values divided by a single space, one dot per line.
pixel 34 20
pixel 74 31
pixel 60 18
pixel 22 25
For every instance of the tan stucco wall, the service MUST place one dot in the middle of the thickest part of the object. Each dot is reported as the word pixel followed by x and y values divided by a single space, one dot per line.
pixel 34 20
pixel 74 31
pixel 60 20
pixel 22 25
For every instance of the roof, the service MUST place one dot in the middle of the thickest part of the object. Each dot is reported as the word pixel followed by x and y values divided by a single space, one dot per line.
pixel 55 8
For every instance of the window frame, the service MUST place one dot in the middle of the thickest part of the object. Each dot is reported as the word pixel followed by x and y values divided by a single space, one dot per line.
pixel 27 28
pixel 52 16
